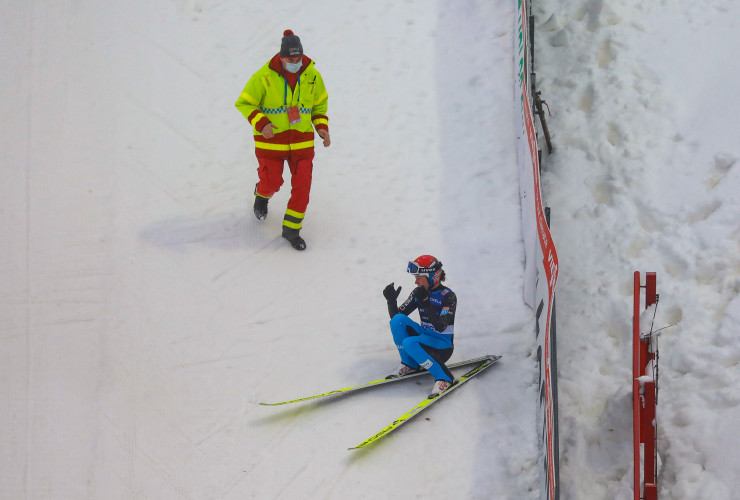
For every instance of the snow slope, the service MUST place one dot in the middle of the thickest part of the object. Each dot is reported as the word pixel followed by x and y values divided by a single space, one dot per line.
pixel 645 177
pixel 146 311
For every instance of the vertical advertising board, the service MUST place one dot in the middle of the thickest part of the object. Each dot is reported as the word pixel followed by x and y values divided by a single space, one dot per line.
pixel 541 260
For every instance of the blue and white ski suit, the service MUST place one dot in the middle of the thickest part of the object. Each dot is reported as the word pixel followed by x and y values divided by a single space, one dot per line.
pixel 429 344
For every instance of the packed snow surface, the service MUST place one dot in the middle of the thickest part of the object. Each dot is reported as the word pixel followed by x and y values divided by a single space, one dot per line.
pixel 146 312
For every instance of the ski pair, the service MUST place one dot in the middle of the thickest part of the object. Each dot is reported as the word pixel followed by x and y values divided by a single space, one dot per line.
pixel 427 402
pixel 481 364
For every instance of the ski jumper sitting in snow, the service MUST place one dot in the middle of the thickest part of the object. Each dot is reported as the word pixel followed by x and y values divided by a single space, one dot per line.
pixel 429 344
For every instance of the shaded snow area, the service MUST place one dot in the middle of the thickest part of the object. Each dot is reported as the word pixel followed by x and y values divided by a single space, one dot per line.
pixel 146 312
pixel 645 177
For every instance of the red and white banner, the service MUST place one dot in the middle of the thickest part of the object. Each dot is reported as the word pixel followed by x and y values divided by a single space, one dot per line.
pixel 541 264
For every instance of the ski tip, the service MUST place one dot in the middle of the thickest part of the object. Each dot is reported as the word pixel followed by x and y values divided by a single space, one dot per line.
pixel 360 446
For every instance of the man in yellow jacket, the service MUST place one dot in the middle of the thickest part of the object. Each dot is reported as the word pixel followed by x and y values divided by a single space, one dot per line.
pixel 284 101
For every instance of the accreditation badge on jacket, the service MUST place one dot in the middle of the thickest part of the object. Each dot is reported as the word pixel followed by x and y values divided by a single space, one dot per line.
pixel 294 116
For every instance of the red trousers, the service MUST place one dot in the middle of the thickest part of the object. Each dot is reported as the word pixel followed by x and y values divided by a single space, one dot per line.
pixel 270 172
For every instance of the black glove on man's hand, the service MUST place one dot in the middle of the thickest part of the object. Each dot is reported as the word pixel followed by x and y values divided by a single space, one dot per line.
pixel 390 293
pixel 421 294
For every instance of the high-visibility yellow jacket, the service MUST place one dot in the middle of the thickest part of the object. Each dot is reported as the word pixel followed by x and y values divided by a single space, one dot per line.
pixel 267 97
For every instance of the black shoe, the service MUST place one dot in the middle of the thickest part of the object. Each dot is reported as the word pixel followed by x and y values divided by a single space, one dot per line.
pixel 294 238
pixel 260 207
pixel 296 242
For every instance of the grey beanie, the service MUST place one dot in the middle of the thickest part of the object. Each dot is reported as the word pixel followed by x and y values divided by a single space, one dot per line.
pixel 291 45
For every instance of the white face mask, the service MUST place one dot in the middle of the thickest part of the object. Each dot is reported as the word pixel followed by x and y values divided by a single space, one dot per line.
pixel 294 67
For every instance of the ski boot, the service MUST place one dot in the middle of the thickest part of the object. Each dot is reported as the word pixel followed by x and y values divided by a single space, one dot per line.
pixel 401 371
pixel 440 386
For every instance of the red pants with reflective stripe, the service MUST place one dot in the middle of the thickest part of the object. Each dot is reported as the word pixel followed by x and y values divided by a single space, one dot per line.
pixel 270 171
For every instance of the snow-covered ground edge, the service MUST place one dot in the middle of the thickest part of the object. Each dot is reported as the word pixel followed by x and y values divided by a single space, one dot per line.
pixel 644 177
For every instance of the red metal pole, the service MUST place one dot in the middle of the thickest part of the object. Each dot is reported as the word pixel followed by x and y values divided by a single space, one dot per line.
pixel 651 296
pixel 648 424
pixel 636 383
pixel 649 419
pixel 651 491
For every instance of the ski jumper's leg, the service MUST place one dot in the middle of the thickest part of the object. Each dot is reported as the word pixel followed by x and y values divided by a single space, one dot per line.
pixel 403 327
pixel 430 352
pixel 270 172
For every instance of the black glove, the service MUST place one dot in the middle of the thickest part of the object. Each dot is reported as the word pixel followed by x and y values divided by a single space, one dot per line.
pixel 421 294
pixel 390 293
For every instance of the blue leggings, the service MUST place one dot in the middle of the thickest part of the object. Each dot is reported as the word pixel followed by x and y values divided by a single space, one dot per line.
pixel 422 347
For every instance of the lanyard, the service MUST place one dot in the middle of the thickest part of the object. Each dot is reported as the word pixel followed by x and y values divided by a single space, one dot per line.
pixel 297 85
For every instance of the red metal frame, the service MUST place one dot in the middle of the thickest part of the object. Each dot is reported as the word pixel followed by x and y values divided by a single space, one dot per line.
pixel 643 402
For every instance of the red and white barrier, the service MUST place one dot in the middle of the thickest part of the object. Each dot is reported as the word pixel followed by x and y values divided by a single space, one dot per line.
pixel 541 261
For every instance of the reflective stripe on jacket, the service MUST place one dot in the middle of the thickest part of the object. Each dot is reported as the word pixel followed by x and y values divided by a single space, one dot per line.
pixel 266 98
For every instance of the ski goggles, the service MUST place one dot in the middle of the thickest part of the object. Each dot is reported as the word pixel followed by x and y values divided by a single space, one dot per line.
pixel 413 268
